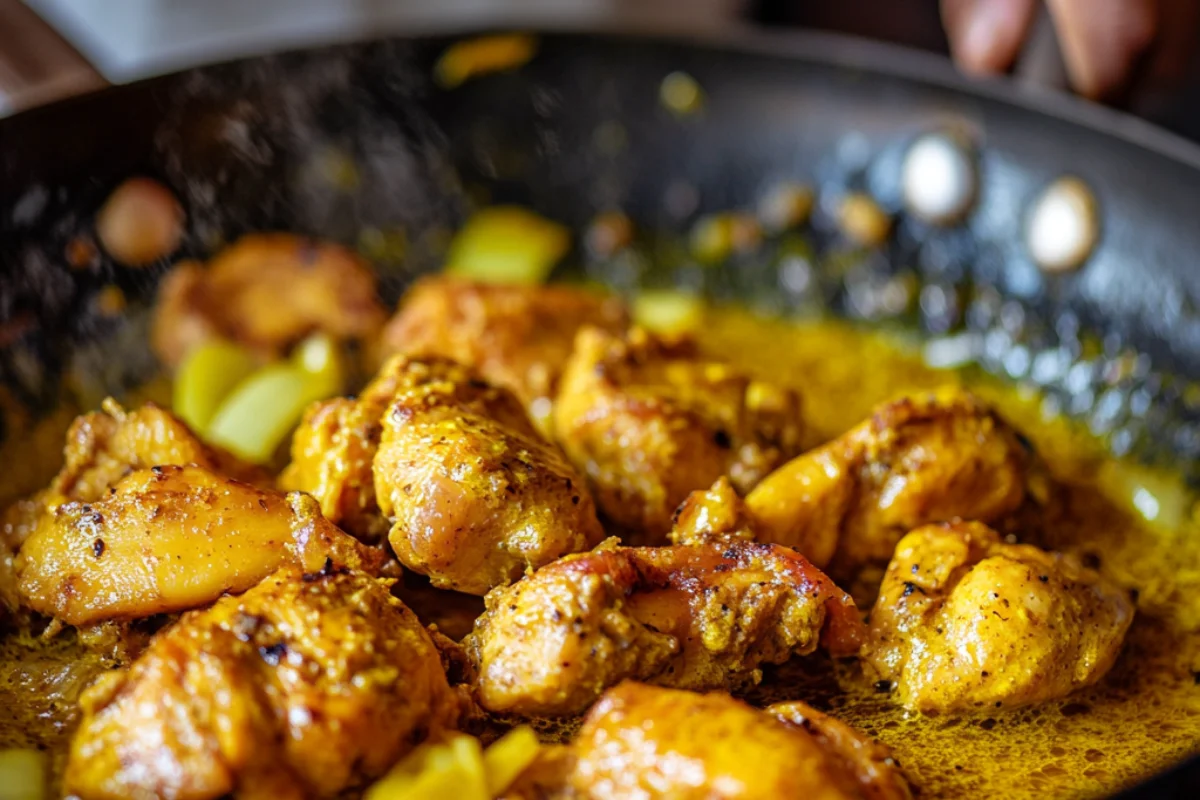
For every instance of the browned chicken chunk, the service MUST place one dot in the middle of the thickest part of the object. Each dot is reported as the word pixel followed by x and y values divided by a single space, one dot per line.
pixel 927 458
pixel 333 449
pixel 649 420
pixel 699 617
pixel 648 742
pixel 168 539
pixel 965 620
pixel 475 496
pixel 266 291
pixel 518 337
pixel 869 761
pixel 306 686
pixel 101 448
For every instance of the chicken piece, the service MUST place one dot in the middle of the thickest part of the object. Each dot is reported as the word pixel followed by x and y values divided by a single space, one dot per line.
pixel 172 538
pixel 965 620
pixel 334 448
pixel 101 448
pixel 647 742
pixel 701 617
pixel 308 685
pixel 475 495
pixel 713 515
pixel 869 761
pixel 648 420
pixel 921 459
pixel 517 337
pixel 266 291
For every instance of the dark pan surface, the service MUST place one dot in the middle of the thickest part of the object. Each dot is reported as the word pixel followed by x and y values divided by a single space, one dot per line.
pixel 336 141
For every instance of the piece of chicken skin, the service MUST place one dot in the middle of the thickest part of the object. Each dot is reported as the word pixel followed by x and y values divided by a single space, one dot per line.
pixel 700 617
pixel 648 742
pixel 266 291
pixel 868 760
pixel 965 620
pixel 518 337
pixel 172 538
pixel 649 420
pixel 475 495
pixel 927 458
pixel 306 686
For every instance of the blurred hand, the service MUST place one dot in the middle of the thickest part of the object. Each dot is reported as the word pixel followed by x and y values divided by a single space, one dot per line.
pixel 1101 40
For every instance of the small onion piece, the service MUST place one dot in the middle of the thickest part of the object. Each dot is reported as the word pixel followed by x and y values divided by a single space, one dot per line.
pixel 140 223
pixel 940 178
pixel 1063 226
pixel 22 775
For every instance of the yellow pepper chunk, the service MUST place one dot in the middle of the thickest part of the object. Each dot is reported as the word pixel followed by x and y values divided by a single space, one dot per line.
pixel 207 375
pixel 507 244
pixel 508 757
pixel 433 771
pixel 479 56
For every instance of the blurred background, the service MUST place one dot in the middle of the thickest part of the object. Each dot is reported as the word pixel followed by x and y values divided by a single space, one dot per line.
pixel 51 49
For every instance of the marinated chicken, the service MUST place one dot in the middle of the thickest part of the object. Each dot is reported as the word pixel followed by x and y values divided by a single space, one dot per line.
pixel 267 292
pixel 333 451
pixel 700 617
pixel 921 459
pixel 168 539
pixel 101 448
pixel 649 420
pixel 648 742
pixel 965 620
pixel 475 496
pixel 308 685
pixel 870 762
pixel 517 337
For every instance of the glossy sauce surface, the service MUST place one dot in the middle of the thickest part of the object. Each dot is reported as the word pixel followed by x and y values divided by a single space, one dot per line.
pixel 1141 718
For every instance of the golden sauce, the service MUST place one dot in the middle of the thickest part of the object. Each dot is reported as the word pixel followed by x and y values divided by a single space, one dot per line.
pixel 1143 717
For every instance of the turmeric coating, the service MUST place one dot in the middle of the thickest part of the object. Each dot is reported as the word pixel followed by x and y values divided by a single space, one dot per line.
pixel 517 337
pixel 649 419
pixel 308 685
pixel 694 617
pixel 966 620
pixel 649 742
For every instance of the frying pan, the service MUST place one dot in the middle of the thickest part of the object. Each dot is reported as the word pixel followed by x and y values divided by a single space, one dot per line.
pixel 354 138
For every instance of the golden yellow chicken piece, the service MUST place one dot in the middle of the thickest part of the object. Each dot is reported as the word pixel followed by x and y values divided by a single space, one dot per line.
pixel 869 761
pixel 475 496
pixel 648 420
pixel 333 450
pixel 306 686
pixel 928 458
pixel 648 742
pixel 266 291
pixel 101 448
pixel 172 538
pixel 700 617
pixel 965 620
pixel 517 337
